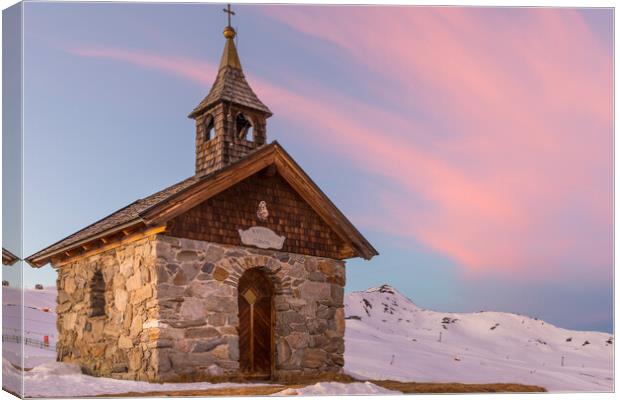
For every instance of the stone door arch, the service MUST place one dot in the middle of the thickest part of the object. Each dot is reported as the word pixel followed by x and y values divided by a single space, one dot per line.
pixel 256 324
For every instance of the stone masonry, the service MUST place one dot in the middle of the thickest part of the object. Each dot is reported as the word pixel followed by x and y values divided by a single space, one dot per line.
pixel 117 343
pixel 171 311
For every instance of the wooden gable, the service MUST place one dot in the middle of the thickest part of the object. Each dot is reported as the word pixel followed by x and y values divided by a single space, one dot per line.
pixel 219 218
pixel 275 159
pixel 197 208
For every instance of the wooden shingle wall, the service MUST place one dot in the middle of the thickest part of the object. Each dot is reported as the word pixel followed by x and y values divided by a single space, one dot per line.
pixel 224 147
pixel 219 218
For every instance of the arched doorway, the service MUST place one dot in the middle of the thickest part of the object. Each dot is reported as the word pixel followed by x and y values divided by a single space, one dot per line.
pixel 256 322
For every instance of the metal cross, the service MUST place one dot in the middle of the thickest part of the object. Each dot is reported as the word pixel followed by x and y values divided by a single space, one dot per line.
pixel 228 11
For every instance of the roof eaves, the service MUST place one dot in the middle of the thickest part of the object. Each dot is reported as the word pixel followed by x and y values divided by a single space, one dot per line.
pixel 41 258
pixel 9 256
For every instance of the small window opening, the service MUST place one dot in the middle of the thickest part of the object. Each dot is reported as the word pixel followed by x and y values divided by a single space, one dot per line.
pixel 209 127
pixel 245 130
pixel 97 295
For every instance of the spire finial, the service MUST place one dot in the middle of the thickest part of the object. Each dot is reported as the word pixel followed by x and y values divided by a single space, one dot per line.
pixel 229 32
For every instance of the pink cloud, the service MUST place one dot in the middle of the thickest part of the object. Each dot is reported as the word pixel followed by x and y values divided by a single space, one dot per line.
pixel 526 100
pixel 201 72
pixel 511 157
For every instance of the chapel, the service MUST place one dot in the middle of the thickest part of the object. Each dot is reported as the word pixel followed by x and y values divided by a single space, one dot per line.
pixel 235 272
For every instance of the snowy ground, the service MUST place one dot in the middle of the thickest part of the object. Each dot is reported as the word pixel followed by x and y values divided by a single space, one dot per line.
pixel 387 337
pixel 333 388
pixel 54 379
pixel 39 321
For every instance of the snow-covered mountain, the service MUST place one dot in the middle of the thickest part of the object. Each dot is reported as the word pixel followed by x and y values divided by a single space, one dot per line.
pixel 389 337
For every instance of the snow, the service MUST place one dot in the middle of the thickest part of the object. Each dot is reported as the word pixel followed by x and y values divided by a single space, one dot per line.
pixel 11 377
pixel 39 318
pixel 33 356
pixel 55 379
pixel 337 388
pixel 388 337
pixel 38 313
pixel 65 380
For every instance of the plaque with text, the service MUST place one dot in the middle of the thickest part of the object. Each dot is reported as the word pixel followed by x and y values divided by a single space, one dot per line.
pixel 261 237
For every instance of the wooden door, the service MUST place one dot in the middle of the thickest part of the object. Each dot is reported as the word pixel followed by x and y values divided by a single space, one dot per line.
pixel 255 324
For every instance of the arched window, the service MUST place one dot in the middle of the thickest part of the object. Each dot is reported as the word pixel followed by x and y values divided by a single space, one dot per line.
pixel 244 127
pixel 97 295
pixel 209 127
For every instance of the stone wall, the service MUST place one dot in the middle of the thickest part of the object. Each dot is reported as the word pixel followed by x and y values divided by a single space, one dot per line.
pixel 197 294
pixel 171 311
pixel 118 343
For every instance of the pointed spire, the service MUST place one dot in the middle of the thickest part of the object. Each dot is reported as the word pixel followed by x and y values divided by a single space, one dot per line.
pixel 230 58
pixel 230 84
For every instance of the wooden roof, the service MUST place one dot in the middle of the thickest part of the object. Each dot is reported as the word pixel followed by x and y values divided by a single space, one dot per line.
pixel 166 204
pixel 123 218
pixel 230 85
pixel 8 258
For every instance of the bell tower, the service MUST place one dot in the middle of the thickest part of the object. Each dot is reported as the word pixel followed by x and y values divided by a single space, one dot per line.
pixel 231 121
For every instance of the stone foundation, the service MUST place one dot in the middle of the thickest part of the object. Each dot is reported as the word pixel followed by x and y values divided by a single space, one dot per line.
pixel 171 311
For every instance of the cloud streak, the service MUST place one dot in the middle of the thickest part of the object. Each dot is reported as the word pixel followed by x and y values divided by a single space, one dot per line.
pixel 186 68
